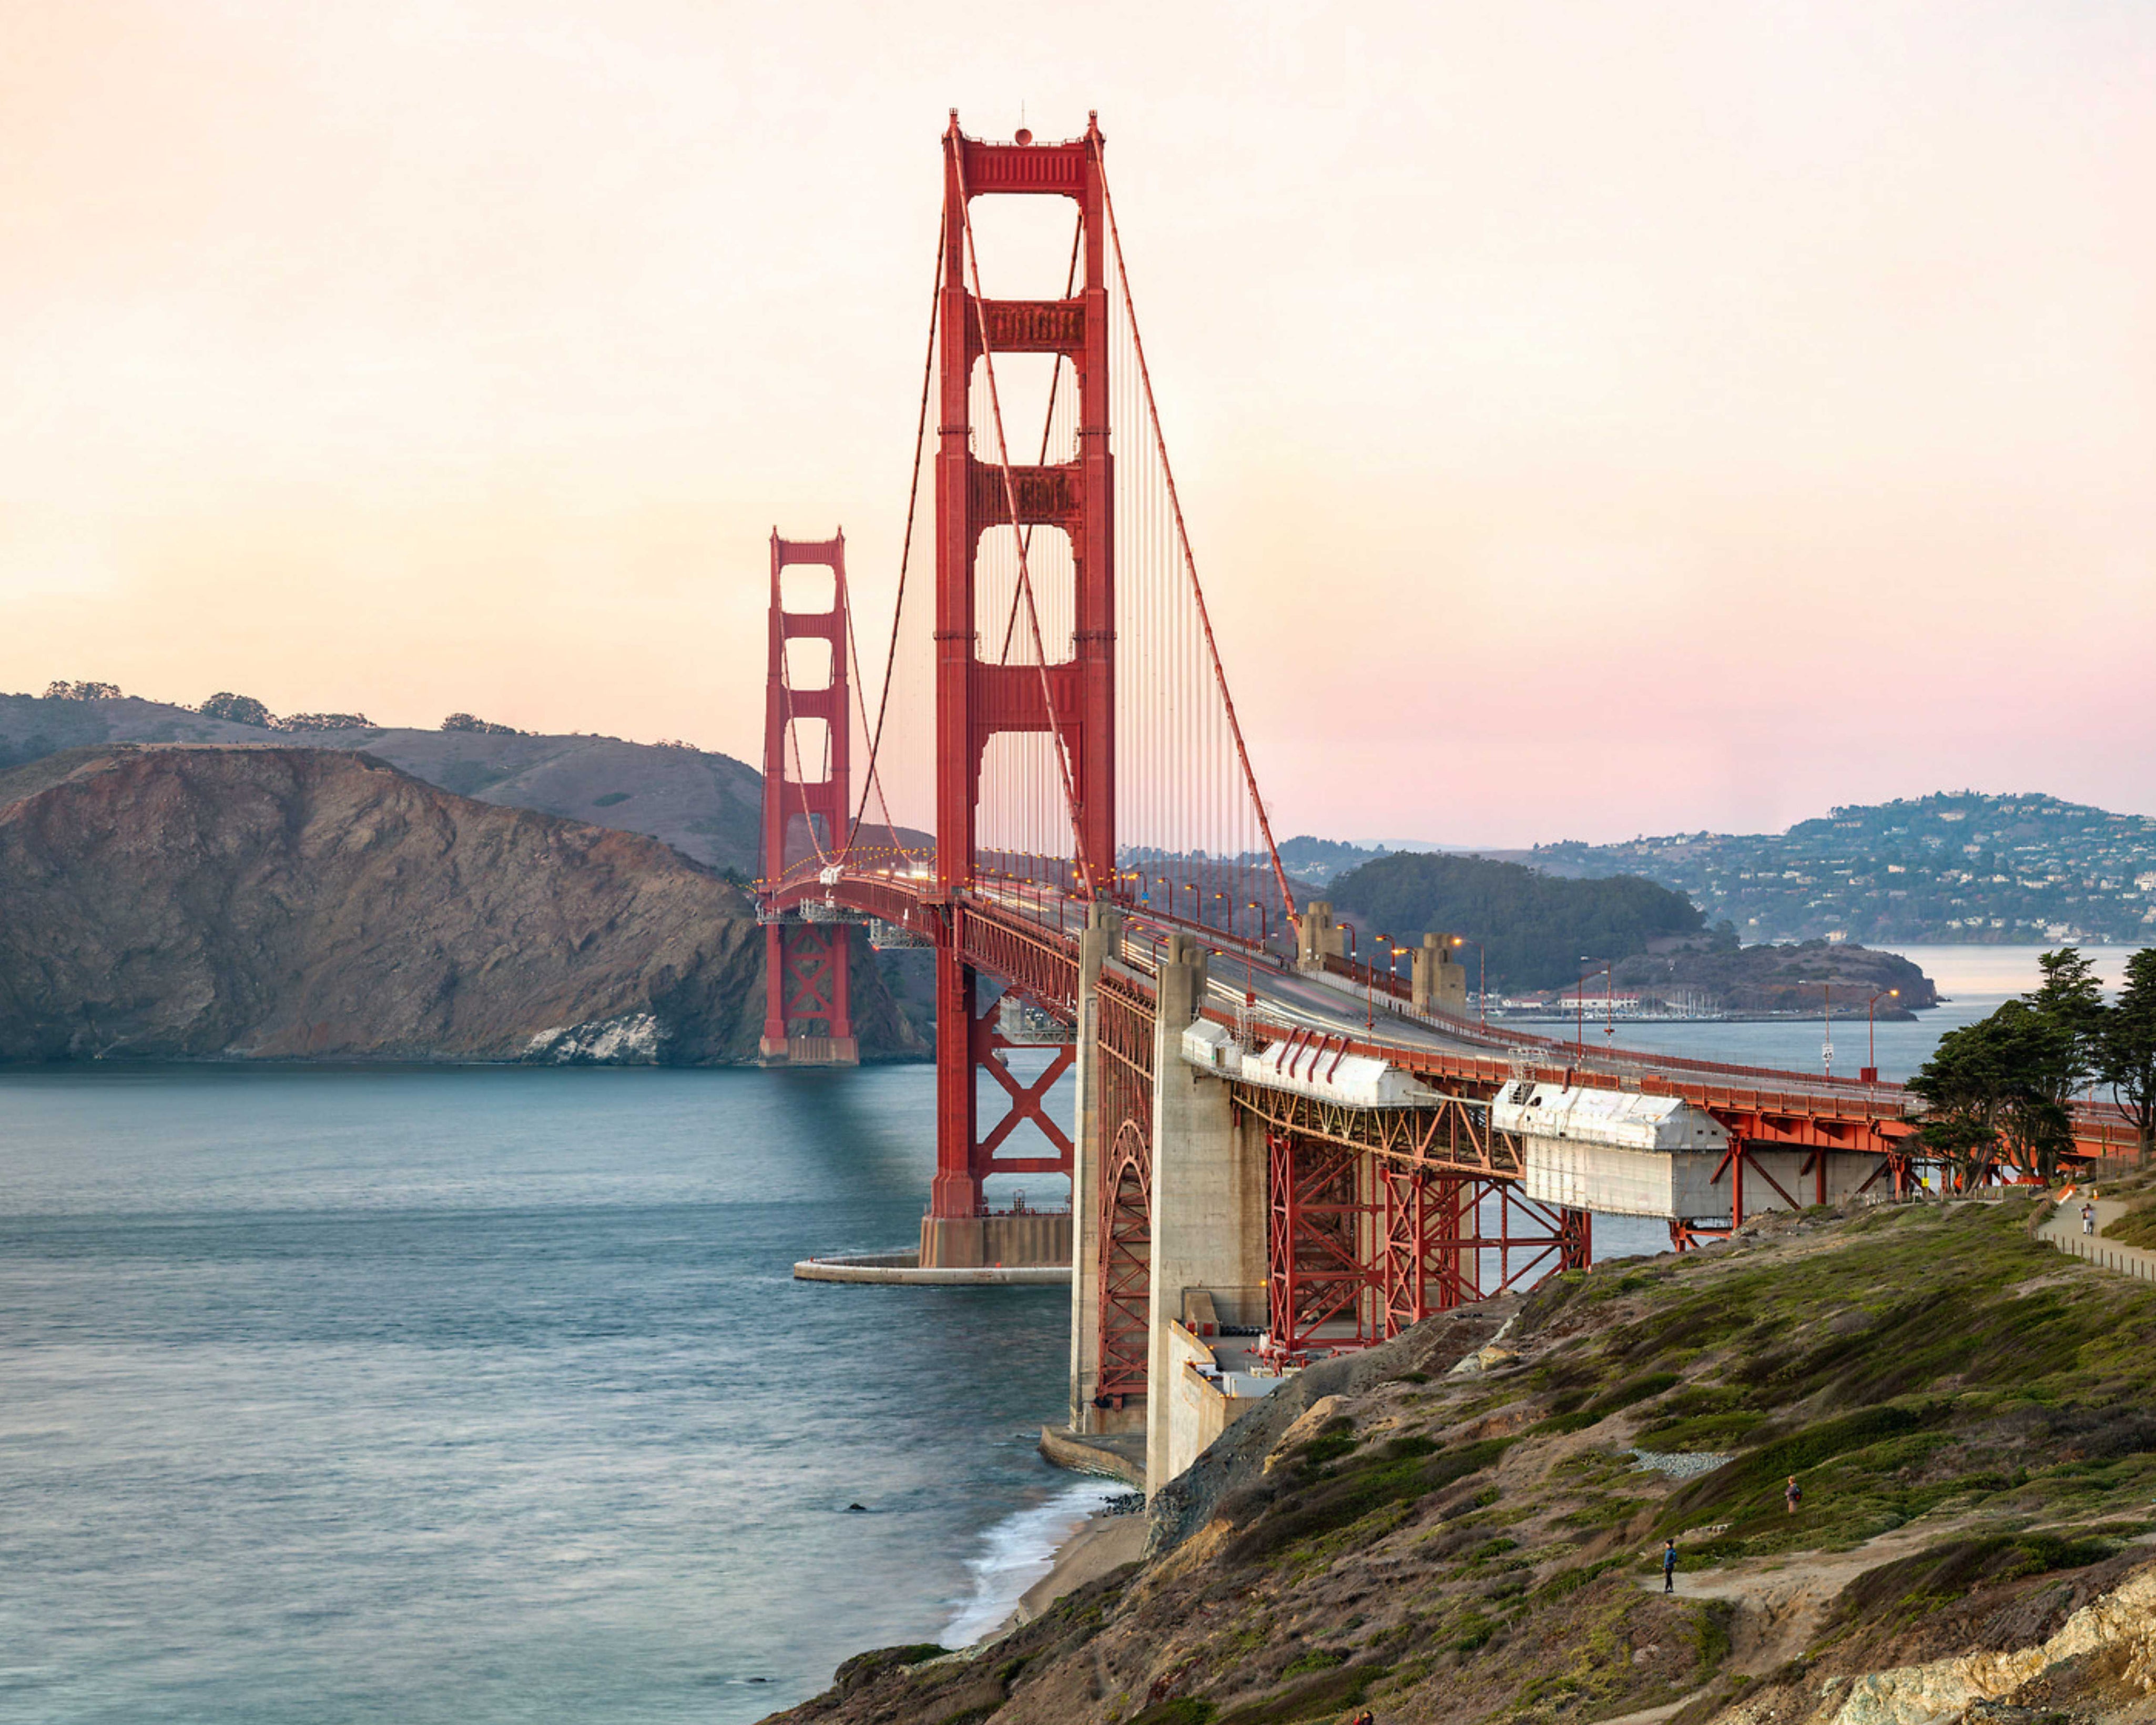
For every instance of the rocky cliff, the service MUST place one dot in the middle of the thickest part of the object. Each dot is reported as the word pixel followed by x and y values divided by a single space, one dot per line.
pixel 205 902
pixel 1465 1524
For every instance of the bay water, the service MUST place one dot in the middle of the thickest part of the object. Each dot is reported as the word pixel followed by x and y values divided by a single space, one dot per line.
pixel 486 1395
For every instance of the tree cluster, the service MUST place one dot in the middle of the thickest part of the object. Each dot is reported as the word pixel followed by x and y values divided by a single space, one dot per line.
pixel 60 690
pixel 1997 1091
pixel 324 721
pixel 466 722
pixel 237 710
pixel 1536 926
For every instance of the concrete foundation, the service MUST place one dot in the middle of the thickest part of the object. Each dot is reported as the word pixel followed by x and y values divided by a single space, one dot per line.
pixel 1103 933
pixel 977 1242
pixel 809 1050
pixel 1199 1405
pixel 904 1270
pixel 1208 1200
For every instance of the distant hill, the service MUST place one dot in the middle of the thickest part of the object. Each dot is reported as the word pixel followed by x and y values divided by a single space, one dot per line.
pixel 1535 926
pixel 1961 866
pixel 705 805
pixel 291 902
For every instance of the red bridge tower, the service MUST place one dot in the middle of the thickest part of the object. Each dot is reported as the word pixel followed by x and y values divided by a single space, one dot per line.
pixel 807 1018
pixel 1073 701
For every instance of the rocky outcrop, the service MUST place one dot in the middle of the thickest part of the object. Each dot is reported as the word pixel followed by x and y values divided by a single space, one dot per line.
pixel 282 903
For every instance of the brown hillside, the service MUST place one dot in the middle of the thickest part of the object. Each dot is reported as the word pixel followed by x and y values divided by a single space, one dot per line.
pixel 707 805
pixel 294 902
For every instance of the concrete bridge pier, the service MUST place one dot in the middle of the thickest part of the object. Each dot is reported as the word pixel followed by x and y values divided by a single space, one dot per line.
pixel 1096 945
pixel 1208 1200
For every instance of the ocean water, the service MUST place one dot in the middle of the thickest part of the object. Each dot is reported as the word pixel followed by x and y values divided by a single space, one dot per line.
pixel 486 1395
pixel 1974 981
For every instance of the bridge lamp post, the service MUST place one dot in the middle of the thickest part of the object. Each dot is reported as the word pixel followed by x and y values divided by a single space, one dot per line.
pixel 1827 1018
pixel 1370 982
pixel 1579 1001
pixel 1265 923
pixel 1482 974
pixel 1227 911
pixel 1870 1075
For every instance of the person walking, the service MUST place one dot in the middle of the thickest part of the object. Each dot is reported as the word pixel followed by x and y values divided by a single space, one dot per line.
pixel 2088 1219
pixel 1792 1494
pixel 1669 1566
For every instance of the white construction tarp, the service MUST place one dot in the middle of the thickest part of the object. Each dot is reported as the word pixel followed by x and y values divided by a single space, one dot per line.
pixel 1356 1081
pixel 1621 1119
pixel 1667 1183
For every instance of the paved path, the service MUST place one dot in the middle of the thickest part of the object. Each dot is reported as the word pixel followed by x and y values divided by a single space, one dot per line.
pixel 2064 1232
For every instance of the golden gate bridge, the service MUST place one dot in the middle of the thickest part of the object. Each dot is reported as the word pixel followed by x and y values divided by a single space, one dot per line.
pixel 1055 797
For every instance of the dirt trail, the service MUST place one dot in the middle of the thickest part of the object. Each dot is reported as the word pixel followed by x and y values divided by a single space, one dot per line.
pixel 1784 1599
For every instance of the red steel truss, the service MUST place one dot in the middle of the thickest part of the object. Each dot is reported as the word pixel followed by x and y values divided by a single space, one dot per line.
pixel 1362 1243
pixel 808 1011
pixel 1126 1047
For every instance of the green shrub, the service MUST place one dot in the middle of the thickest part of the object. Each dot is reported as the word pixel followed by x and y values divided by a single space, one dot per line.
pixel 1318 1658
pixel 1948 1571
pixel 1711 1619
pixel 1185 1710
pixel 1705 1431
pixel 1329 1692
pixel 1751 1478
pixel 1354 1491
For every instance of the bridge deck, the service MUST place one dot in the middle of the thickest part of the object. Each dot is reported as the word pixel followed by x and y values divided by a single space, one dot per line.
pixel 1027 933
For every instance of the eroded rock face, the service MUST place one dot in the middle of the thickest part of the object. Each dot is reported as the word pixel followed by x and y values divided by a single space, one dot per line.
pixel 284 903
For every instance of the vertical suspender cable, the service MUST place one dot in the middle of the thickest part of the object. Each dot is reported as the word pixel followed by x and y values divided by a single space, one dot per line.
pixel 1182 538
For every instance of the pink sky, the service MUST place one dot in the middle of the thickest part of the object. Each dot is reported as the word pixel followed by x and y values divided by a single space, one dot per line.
pixel 1689 415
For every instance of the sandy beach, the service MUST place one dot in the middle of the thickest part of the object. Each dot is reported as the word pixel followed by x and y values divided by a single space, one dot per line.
pixel 1100 1545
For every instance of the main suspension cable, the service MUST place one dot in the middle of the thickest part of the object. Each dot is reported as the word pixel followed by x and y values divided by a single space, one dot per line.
pixel 872 779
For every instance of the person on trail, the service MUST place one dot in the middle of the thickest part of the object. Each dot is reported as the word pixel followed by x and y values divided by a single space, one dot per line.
pixel 1669 1566
pixel 1792 1494
pixel 2088 1219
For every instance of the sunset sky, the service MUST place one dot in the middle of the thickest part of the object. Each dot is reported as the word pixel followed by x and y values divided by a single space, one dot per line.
pixel 1592 419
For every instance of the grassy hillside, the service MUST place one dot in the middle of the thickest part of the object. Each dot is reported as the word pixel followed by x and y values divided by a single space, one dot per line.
pixel 1967 1412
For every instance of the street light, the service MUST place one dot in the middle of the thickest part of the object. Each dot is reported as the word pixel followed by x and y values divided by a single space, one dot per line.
pixel 1370 982
pixel 1827 1018
pixel 1870 1075
pixel 1265 923
pixel 1482 974
pixel 1579 1001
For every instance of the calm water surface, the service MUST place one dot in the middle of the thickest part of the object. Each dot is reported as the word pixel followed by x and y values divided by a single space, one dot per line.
pixel 486 1395
pixel 1974 981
